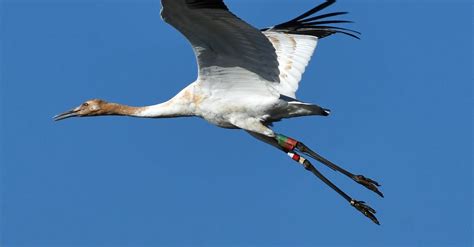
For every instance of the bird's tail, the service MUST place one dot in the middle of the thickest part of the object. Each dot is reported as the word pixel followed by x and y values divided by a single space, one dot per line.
pixel 309 109
pixel 308 24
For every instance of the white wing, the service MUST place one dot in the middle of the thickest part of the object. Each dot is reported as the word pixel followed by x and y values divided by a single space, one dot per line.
pixel 295 41
pixel 294 52
pixel 231 54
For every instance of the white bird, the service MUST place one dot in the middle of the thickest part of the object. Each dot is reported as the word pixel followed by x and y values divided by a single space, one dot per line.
pixel 247 78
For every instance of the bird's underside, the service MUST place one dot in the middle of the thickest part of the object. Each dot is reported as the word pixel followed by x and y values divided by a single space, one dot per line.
pixel 247 79
pixel 252 112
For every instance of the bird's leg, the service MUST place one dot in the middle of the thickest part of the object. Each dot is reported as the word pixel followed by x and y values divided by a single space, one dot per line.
pixel 290 144
pixel 359 205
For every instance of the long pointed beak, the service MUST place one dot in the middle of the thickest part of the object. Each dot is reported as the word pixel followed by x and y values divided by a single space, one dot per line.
pixel 68 114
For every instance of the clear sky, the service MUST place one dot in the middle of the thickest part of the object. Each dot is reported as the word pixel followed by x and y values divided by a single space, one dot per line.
pixel 401 99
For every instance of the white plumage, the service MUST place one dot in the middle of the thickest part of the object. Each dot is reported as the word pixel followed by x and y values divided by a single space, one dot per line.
pixel 294 52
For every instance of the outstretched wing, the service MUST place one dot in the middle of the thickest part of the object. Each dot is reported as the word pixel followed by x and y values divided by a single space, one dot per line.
pixel 234 56
pixel 296 40
pixel 294 53
pixel 231 54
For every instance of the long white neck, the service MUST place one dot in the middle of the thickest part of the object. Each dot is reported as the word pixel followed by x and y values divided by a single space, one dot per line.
pixel 180 105
pixel 168 109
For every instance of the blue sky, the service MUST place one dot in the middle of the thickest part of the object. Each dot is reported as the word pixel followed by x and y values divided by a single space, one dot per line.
pixel 401 99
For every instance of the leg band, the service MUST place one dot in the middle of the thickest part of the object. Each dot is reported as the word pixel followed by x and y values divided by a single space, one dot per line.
pixel 286 142
pixel 297 158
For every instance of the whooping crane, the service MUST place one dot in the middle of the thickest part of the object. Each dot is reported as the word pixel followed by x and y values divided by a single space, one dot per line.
pixel 247 78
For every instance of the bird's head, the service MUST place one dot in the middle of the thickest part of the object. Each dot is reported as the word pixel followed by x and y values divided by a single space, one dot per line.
pixel 92 107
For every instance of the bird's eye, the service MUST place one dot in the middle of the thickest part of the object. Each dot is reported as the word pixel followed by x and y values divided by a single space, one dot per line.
pixel 85 104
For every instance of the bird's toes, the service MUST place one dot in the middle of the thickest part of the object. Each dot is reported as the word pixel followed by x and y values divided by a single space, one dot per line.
pixel 365 210
pixel 368 183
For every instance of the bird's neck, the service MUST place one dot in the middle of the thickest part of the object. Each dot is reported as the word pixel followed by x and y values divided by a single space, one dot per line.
pixel 163 110
pixel 119 109
pixel 181 105
pixel 168 109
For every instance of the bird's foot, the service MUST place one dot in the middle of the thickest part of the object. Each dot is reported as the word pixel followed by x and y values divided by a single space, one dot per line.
pixel 368 183
pixel 365 210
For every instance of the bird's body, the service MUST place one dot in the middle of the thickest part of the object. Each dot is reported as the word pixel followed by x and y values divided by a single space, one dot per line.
pixel 247 78
pixel 236 111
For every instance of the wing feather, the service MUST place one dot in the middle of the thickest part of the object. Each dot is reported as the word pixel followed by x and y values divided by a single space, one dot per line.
pixel 228 50
pixel 294 53
pixel 296 40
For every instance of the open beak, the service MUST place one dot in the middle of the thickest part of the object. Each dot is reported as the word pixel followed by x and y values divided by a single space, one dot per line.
pixel 68 114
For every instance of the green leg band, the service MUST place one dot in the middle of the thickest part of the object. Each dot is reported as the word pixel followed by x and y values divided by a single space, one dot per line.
pixel 286 142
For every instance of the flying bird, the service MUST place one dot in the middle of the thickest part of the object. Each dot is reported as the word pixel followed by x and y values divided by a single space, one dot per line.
pixel 247 78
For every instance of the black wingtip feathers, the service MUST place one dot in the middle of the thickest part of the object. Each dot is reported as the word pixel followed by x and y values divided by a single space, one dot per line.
pixel 306 24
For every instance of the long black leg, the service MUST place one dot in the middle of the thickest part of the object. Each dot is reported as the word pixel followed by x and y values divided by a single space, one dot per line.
pixel 289 146
pixel 292 144
pixel 359 205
